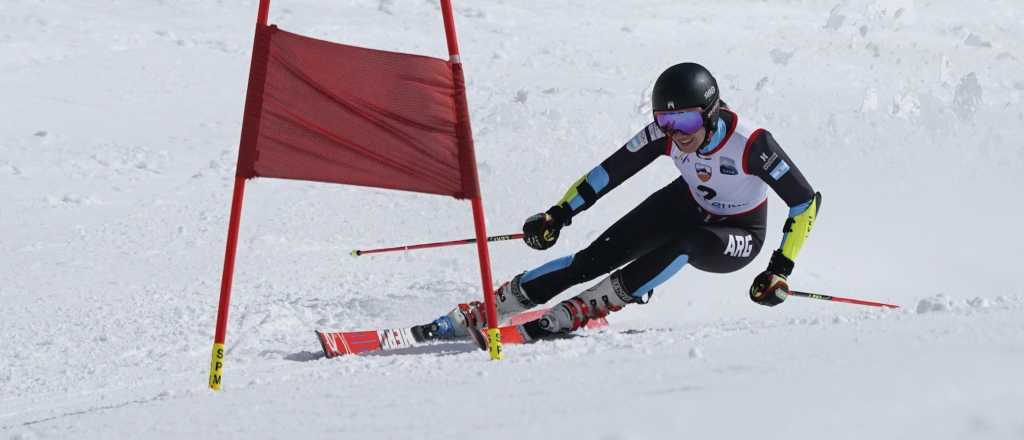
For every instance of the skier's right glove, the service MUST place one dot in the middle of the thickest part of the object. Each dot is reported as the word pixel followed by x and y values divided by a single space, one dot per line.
pixel 540 231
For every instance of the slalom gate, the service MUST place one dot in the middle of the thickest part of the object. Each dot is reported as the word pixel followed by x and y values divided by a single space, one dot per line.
pixel 312 105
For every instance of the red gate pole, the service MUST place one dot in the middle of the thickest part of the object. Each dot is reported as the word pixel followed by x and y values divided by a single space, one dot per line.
pixel 252 103
pixel 468 157
pixel 217 360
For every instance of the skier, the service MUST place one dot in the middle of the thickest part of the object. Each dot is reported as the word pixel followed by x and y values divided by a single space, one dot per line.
pixel 711 217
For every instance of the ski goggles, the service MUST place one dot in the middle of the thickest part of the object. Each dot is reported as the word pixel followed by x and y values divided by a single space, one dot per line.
pixel 686 121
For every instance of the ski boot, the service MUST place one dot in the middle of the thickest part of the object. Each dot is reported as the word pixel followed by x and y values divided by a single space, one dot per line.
pixel 564 318
pixel 464 319
pixel 572 314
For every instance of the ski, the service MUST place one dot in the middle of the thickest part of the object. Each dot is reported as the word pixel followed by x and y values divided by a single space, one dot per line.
pixel 529 332
pixel 337 343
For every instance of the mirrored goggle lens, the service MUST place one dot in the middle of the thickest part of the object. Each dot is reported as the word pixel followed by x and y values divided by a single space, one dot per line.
pixel 688 122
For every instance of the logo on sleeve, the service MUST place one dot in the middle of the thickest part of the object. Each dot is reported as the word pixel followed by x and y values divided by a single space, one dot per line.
pixel 739 246
pixel 703 171
pixel 638 142
pixel 653 132
pixel 780 170
pixel 768 160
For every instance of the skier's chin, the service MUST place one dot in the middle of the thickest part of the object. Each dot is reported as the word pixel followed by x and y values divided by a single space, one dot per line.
pixel 687 143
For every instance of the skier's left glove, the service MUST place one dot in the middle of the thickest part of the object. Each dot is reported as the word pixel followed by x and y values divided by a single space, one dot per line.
pixel 770 287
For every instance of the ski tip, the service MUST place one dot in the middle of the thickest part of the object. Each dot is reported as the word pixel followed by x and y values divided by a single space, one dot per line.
pixel 323 345
pixel 355 253
pixel 480 339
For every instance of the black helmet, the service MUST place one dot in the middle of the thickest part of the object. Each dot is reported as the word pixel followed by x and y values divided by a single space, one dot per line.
pixel 688 85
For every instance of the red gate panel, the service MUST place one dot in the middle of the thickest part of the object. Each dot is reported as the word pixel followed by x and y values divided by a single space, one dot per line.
pixel 343 114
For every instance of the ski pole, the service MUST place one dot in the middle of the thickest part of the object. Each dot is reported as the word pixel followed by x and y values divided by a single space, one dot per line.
pixel 410 247
pixel 841 299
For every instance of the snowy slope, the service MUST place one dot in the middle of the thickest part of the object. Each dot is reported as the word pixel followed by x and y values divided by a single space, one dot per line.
pixel 117 152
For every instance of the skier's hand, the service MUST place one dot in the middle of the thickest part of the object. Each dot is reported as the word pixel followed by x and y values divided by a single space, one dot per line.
pixel 540 231
pixel 770 287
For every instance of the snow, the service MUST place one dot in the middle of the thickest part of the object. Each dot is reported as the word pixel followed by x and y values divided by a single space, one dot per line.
pixel 117 150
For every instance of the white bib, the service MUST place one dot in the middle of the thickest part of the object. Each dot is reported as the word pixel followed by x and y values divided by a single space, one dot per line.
pixel 717 180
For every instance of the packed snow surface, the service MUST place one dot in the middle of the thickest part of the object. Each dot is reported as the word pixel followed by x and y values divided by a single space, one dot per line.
pixel 118 144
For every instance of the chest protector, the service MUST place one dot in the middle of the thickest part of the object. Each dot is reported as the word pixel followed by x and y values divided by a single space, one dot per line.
pixel 717 180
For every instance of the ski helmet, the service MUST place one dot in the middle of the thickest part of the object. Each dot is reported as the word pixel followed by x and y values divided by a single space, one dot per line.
pixel 687 85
